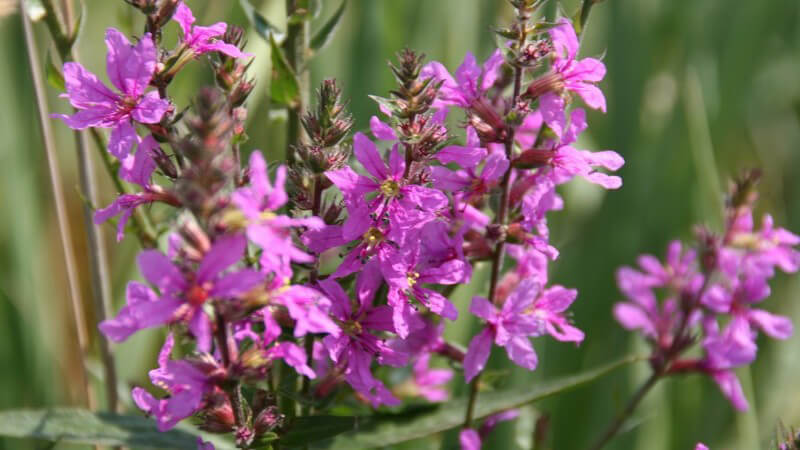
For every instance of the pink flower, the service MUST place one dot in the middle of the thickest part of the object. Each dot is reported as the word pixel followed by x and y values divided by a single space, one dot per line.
pixel 185 383
pixel 137 169
pixel 469 439
pixel 563 162
pixel 182 293
pixel 658 322
pixel 406 273
pixel 550 307
pixel 385 192
pixel 272 232
pixel 355 348
pixel 203 445
pixel 271 349
pixel 575 75
pixel 469 181
pixel 509 327
pixel 431 383
pixel 471 80
pixel 204 39
pixel 472 440
pixel 130 69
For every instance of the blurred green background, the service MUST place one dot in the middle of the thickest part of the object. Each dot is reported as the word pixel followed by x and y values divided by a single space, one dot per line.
pixel 697 90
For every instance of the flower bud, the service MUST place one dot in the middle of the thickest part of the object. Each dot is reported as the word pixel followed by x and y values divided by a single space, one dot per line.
pixel 549 82
pixel 217 416
pixel 268 419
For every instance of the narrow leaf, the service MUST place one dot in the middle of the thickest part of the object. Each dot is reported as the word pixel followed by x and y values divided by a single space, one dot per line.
pixel 284 87
pixel 85 427
pixel 78 25
pixel 263 27
pixel 325 33
pixel 34 9
pixel 54 76
pixel 312 429
pixel 396 428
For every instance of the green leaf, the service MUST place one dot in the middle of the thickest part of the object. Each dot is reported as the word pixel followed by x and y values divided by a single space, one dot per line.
pixel 325 33
pixel 284 88
pixel 386 103
pixel 313 429
pixel 263 27
pixel 54 76
pixel 34 9
pixel 85 427
pixel 392 429
pixel 78 25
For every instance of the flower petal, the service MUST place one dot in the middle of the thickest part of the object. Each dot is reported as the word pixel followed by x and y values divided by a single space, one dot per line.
pixel 367 154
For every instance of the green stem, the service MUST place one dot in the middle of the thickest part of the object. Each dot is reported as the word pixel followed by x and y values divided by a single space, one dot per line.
pixel 613 429
pixel 61 207
pixel 296 45
pixel 305 409
pixel 98 258
pixel 499 252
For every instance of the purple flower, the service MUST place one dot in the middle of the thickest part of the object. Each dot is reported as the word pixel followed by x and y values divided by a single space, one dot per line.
pixel 272 232
pixel 204 39
pixel 271 349
pixel 471 80
pixel 405 275
pixel 309 309
pixel 430 383
pixel 469 439
pixel 472 440
pixel 135 168
pixel 426 338
pixel 564 162
pixel 658 322
pixel 182 293
pixel 386 192
pixel 729 384
pixel 130 69
pixel 758 252
pixel 468 157
pixel 203 445
pixel 185 384
pixel 737 279
pixel 700 446
pixel 469 181
pixel 376 248
pixel 356 347
pixel 381 130
pixel 570 75
pixel 550 307
pixel 509 327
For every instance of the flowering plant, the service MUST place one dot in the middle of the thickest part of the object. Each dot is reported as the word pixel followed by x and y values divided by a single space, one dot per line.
pixel 297 296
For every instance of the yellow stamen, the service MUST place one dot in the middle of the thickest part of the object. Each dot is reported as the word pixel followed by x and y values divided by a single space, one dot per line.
pixel 390 188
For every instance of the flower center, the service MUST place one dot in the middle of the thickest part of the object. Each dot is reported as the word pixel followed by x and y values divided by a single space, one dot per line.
pixel 126 104
pixel 352 328
pixel 412 278
pixel 390 188
pixel 373 237
pixel 196 295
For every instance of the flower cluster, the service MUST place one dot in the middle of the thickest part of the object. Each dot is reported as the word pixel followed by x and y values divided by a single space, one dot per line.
pixel 721 282
pixel 309 281
pixel 336 270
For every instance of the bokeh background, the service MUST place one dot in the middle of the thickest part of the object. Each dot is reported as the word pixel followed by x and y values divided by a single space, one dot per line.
pixel 697 91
